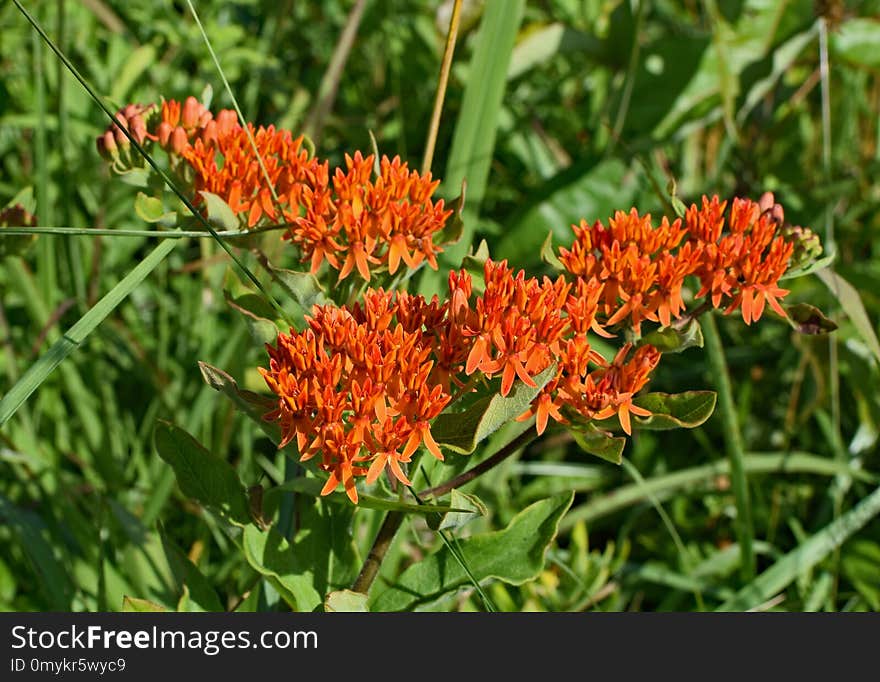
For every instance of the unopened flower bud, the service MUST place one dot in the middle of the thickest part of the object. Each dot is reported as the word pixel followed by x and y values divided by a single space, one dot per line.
pixel 107 147
pixel 192 110
pixel 227 119
pixel 163 133
pixel 179 140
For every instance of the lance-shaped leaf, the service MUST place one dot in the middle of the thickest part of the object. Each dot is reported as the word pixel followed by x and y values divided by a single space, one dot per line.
pixel 849 299
pixel 258 316
pixel 202 476
pixel 548 253
pixel 599 443
pixel 672 340
pixel 463 431
pixel 252 404
pixel 808 319
pixel 273 557
pixel 454 228
pixel 513 555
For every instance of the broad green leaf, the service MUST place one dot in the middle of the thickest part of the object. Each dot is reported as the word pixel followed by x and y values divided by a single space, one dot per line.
pixel 53 574
pixel 75 336
pixel 467 507
pixel 271 555
pixel 200 592
pixel 852 305
pixel 202 476
pixel 346 601
pixel 514 555
pixel 220 215
pixel 860 560
pixel 674 340
pixel 856 41
pixel 809 553
pixel 135 605
pixel 252 404
pixel 136 177
pixel 599 443
pixel 462 432
pixel 547 42
pixel 808 319
pixel 149 209
pixel 589 190
pixel 473 141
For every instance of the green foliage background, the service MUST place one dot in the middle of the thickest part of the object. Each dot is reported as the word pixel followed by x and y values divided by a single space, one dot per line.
pixel 602 102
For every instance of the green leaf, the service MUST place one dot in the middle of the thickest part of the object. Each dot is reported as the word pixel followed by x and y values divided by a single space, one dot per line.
pixel 856 41
pixel 136 177
pixel 467 507
pixel 252 404
pixel 588 190
pixel 674 410
pixel 808 319
pixel 346 601
pixel 599 443
pixel 271 555
pixel 514 555
pixel 52 574
pixel 135 605
pixel 462 432
pixel 809 553
pixel 71 340
pixel 673 340
pixel 852 305
pixel 149 209
pixel 202 476
pixel 200 592
pixel 220 215
pixel 543 44
pixel 258 316
pixel 473 141
pixel 303 287
pixel 139 60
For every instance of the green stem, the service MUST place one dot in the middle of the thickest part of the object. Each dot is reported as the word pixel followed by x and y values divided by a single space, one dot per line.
pixel 733 442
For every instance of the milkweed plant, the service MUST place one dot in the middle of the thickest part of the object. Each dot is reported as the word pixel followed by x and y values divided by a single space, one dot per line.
pixel 371 375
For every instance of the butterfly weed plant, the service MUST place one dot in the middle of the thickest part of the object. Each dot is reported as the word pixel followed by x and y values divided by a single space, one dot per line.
pixel 389 403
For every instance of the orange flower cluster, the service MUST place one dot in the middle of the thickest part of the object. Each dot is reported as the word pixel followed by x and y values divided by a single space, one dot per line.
pixel 360 386
pixel 642 268
pixel 364 221
pixel 352 219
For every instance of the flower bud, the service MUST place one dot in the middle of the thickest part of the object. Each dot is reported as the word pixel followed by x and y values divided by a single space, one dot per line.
pixel 163 133
pixel 807 245
pixel 192 110
pixel 227 119
pixel 179 140
pixel 107 147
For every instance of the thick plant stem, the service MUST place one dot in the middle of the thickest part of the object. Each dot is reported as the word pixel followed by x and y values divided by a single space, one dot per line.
pixel 393 520
pixel 445 67
pixel 373 562
pixel 734 444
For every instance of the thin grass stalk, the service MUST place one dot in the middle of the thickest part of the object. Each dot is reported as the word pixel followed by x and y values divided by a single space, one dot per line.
pixel 445 67
pixel 162 174
pixel 46 262
pixel 734 444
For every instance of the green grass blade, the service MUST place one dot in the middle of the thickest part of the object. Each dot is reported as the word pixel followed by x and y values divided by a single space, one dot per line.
pixel 78 332
pixel 474 138
pixel 808 554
